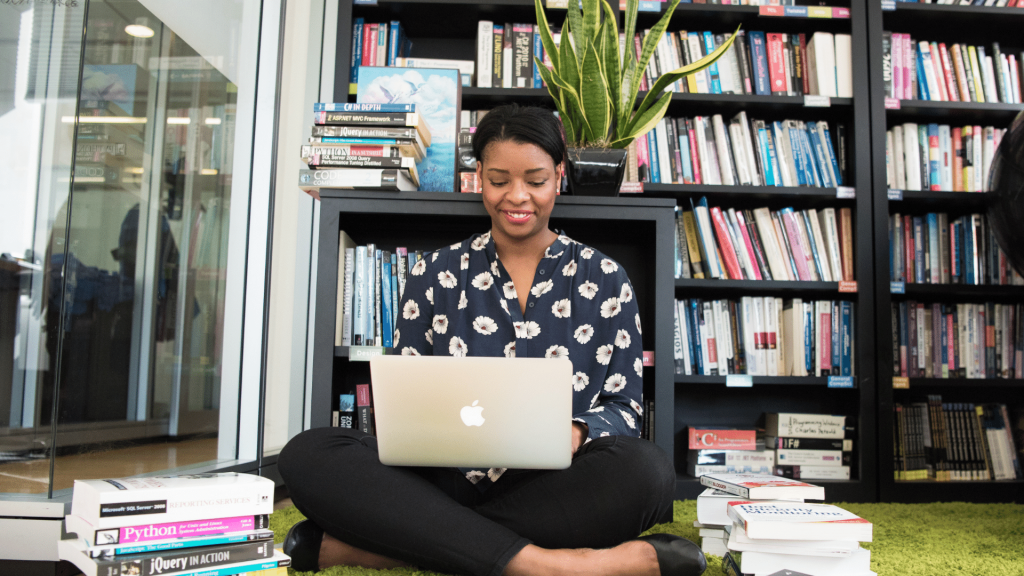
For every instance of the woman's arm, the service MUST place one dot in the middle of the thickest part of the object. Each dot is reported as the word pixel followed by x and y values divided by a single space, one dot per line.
pixel 617 409
pixel 414 336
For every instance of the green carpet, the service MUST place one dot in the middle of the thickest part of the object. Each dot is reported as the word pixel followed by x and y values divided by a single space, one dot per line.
pixel 948 539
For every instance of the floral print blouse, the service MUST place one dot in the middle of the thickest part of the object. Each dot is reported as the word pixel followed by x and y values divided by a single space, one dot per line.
pixel 461 301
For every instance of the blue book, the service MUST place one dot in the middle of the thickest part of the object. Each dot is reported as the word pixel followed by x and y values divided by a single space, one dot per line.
pixel 382 40
pixel 922 83
pixel 373 141
pixel 846 330
pixel 933 246
pixel 394 42
pixel 652 155
pixel 709 47
pixel 819 156
pixel 696 313
pixel 684 151
pixel 934 174
pixel 357 107
pixel 357 50
pixel 387 328
pixel 759 61
pixel 762 141
pixel 837 176
pixel 394 289
pixel 538 51
pixel 773 157
pixel 813 173
pixel 970 246
pixel 918 249
pixel 799 158
pixel 691 341
pixel 809 337
pixel 359 294
pixel 836 338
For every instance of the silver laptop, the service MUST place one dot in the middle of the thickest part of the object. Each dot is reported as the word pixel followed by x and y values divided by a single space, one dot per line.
pixel 473 412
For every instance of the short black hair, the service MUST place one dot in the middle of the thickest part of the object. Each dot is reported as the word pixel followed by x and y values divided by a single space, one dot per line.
pixel 521 124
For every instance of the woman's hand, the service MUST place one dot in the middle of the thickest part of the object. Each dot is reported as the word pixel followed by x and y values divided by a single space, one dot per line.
pixel 579 435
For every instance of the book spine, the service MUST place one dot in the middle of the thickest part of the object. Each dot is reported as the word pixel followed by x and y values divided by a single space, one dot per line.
pixel 347 295
pixel 364 408
pixel 484 54
pixel 358 24
pixel 759 59
pixel 182 560
pixel 776 65
pixel 387 328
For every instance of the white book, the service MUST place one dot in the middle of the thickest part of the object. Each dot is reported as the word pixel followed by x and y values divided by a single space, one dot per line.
pixel 798 521
pixel 989 75
pixel 987 154
pixel 740 542
pixel 729 84
pixel 749 346
pixel 771 329
pixel 484 53
pixel 732 63
pixel 664 161
pixel 890 165
pixel 793 313
pixel 348 289
pixel 827 274
pixel 912 151
pixel 761 339
pixel 702 78
pixel 747 262
pixel 765 563
pixel 931 81
pixel 946 158
pixel 713 506
pixel 507 51
pixel 979 176
pixel 311 181
pixel 708 169
pixel 792 425
pixel 112 503
pixel 780 338
pixel 784 152
pixel 709 347
pixel 844 65
pixel 899 161
pixel 713 532
pixel 809 472
pixel 1015 79
pixel 763 487
pixel 722 147
pixel 684 325
pixel 661 48
pixel 723 335
pixel 707 238
pixel 824 58
pixel 748 148
pixel 739 153
pixel 803 457
pixel 714 546
pixel 771 244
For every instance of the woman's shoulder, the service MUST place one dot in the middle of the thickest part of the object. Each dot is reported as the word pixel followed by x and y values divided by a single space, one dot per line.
pixel 589 258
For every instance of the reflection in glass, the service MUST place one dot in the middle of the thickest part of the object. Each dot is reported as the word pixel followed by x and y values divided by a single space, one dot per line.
pixel 123 315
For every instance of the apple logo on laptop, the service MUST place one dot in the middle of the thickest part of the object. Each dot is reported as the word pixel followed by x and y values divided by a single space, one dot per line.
pixel 471 414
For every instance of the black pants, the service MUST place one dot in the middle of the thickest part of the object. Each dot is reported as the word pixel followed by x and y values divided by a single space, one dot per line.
pixel 433 518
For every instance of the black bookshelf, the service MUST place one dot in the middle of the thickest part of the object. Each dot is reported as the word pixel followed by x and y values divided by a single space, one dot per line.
pixel 446 29
pixel 949 24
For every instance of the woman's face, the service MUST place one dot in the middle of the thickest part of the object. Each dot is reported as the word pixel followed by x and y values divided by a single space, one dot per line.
pixel 519 183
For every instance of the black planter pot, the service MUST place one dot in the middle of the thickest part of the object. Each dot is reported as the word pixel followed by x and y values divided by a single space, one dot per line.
pixel 595 171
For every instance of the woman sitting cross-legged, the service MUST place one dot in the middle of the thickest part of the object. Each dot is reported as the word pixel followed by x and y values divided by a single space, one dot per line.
pixel 519 290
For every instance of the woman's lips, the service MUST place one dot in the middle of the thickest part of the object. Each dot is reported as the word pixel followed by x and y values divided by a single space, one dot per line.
pixel 517 216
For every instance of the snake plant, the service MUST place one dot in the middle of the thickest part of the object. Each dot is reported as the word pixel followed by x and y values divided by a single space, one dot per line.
pixel 594 87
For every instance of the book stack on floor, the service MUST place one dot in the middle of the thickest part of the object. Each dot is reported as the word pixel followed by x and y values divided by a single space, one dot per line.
pixel 936 249
pixel 976 341
pixel 940 158
pixel 768 527
pixel 718 450
pixel 725 243
pixel 764 336
pixel 809 446
pixel 740 151
pixel 372 146
pixel 209 524
pixel 922 70
pixel 956 441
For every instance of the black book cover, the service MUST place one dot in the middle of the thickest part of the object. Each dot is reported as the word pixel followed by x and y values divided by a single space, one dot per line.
pixel 190 559
pixel 746 68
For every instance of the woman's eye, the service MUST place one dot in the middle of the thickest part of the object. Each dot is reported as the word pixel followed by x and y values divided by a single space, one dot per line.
pixel 493 183
pixel 538 184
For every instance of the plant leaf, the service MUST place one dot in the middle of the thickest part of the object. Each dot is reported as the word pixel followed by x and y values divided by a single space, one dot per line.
pixel 570 108
pixel 630 26
pixel 546 39
pixel 649 45
pixel 610 56
pixel 575 21
pixel 643 122
pixel 595 96
pixel 669 78
pixel 546 74
pixel 629 76
pixel 591 19
pixel 569 70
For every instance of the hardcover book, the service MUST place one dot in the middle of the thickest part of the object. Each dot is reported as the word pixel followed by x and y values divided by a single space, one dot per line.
pixel 144 533
pixel 799 521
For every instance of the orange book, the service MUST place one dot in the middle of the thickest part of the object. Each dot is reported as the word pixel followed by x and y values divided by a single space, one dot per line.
pixel 846 241
pixel 958 161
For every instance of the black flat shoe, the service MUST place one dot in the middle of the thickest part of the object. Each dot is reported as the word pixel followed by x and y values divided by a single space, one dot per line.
pixel 677 556
pixel 303 545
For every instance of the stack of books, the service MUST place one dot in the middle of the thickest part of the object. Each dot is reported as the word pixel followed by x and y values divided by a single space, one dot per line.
pixel 717 450
pixel 936 249
pixel 939 157
pixel 385 44
pixel 977 341
pixel 921 70
pixel 955 441
pixel 371 281
pixel 172 525
pixel 712 150
pixel 724 243
pixel 771 529
pixel 372 146
pixel 764 336
pixel 809 446
pixel 505 55
pixel 757 63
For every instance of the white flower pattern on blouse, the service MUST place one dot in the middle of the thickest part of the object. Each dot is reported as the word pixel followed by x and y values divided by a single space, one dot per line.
pixel 580 307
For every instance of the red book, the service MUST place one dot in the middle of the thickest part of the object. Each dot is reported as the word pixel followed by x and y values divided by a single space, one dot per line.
pixel 934 151
pixel 825 340
pixel 368 29
pixel 805 68
pixel 947 72
pixel 958 161
pixel 726 439
pixel 374 31
pixel 748 245
pixel 950 335
pixel 937 71
pixel 776 65
pixel 732 265
pixel 694 157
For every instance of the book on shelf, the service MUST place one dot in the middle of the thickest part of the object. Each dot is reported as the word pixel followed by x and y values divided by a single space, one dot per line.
pixel 505 55
pixel 730 244
pixel 741 151
pixel 718 461
pixel 954 441
pixel 764 336
pixel 364 409
pixel 371 287
pixel 935 71
pixel 939 157
pixel 762 487
pixel 801 472
pixel 963 340
pixel 822 426
pixel 701 438
pixel 344 416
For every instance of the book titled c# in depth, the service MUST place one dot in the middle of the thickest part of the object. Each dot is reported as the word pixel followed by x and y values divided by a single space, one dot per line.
pixel 112 503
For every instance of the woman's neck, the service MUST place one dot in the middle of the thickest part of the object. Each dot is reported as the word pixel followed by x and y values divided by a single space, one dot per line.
pixel 532 248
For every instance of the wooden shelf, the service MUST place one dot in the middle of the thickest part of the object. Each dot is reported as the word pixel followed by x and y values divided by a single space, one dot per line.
pixel 758 380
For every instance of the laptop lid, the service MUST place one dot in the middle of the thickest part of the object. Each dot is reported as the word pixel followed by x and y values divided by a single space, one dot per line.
pixel 474 412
